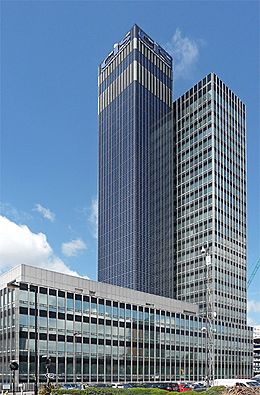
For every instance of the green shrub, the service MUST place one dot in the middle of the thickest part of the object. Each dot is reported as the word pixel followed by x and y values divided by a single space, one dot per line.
pixel 111 391
pixel 46 389
pixel 131 391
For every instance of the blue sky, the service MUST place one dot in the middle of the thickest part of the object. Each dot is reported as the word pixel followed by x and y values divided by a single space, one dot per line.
pixel 50 53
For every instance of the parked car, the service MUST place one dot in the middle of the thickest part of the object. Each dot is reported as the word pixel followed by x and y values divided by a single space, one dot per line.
pixel 183 387
pixel 127 385
pixel 237 382
pixel 151 385
pixel 165 386
pixel 175 387
pixel 132 385
pixel 71 386
pixel 255 383
pixel 117 385
pixel 198 387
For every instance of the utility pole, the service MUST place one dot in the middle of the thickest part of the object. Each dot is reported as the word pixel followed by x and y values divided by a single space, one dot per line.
pixel 47 361
pixel 210 316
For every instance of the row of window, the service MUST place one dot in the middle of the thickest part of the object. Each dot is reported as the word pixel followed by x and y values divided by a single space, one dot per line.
pixel 203 110
pixel 219 87
pixel 192 99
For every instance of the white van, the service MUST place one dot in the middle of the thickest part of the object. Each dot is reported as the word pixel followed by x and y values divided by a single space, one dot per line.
pixel 233 382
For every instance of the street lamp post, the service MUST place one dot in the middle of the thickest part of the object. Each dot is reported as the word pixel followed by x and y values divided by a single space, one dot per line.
pixel 16 285
pixel 13 366
pixel 205 330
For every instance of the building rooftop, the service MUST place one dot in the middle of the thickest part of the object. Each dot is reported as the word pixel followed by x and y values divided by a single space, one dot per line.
pixel 42 277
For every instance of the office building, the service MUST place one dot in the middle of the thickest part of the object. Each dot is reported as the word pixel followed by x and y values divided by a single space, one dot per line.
pixel 256 340
pixel 134 228
pixel 211 196
pixel 172 181
pixel 190 181
pixel 96 332
pixel 210 126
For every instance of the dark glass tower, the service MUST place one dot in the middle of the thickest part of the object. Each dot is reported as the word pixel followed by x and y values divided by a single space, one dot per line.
pixel 135 96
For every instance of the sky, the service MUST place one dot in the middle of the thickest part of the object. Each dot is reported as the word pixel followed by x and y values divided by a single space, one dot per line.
pixel 50 52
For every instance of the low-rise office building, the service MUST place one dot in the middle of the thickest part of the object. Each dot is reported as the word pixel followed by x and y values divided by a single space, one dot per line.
pixel 96 332
pixel 256 339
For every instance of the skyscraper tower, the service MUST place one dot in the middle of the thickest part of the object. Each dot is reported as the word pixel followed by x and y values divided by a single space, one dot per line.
pixel 135 96
pixel 172 180
pixel 172 184
pixel 211 196
pixel 210 127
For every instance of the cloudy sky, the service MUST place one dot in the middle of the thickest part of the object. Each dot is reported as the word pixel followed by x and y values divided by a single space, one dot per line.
pixel 50 53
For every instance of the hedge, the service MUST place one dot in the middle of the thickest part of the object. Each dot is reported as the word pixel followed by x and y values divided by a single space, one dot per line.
pixel 111 391
pixel 131 391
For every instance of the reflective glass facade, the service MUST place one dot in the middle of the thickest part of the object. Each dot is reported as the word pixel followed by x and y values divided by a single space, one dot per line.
pixel 95 332
pixel 185 172
pixel 135 93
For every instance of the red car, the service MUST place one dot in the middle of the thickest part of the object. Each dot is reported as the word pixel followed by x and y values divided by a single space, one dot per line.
pixel 183 387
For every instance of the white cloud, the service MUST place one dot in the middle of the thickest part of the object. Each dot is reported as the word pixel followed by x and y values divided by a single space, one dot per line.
pixel 185 53
pixel 253 320
pixel 72 248
pixel 250 321
pixel 17 215
pixel 253 310
pixel 19 245
pixel 253 306
pixel 45 212
pixel 93 217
